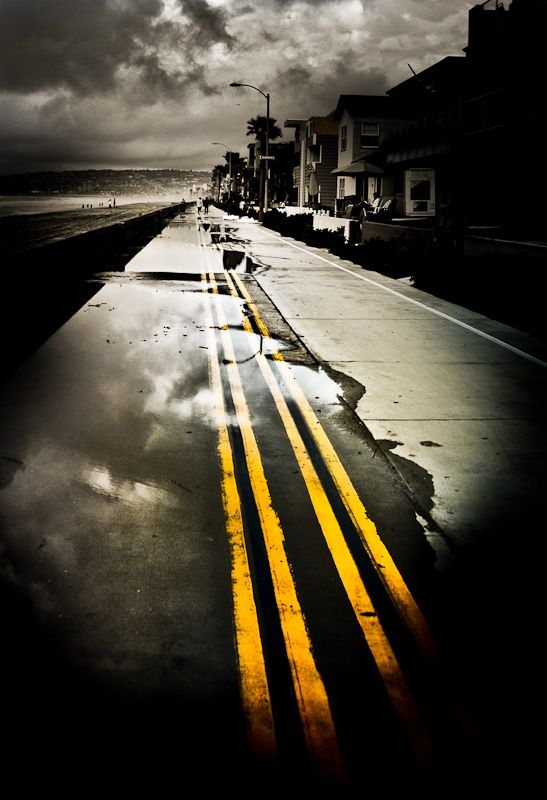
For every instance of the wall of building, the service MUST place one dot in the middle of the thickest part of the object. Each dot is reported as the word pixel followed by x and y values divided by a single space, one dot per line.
pixel 345 156
pixel 325 179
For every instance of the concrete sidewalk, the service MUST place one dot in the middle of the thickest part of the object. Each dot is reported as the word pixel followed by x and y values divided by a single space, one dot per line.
pixel 454 400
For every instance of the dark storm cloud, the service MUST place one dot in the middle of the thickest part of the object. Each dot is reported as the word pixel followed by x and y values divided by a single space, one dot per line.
pixel 80 46
pixel 209 21
pixel 145 82
pixel 320 97
pixel 75 45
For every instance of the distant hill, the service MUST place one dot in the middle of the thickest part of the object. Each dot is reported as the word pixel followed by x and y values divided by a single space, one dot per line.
pixel 105 181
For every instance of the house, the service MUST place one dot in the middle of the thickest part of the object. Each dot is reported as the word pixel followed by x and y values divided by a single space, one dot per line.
pixel 505 114
pixel 315 149
pixel 364 122
pixel 423 155
pixel 476 139
pixel 299 158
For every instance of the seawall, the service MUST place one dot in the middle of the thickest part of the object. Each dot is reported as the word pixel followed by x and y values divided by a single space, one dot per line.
pixel 49 262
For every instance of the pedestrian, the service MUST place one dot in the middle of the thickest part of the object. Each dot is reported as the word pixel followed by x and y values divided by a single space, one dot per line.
pixel 199 204
pixel 206 205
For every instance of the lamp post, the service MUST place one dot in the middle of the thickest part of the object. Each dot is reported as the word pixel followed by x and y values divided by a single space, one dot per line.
pixel 266 154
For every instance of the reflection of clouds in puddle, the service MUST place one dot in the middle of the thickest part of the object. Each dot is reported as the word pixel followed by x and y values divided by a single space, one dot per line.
pixel 34 504
pixel 143 309
pixel 176 251
pixel 130 492
pixel 316 384
pixel 177 394
pixel 83 504
pixel 157 333
pixel 44 505
pixel 62 514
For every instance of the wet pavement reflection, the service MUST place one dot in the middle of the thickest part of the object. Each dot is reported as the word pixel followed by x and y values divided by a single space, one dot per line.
pixel 113 526
pixel 108 451
pixel 176 248
pixel 113 444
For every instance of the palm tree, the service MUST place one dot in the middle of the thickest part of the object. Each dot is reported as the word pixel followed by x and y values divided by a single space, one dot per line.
pixel 217 176
pixel 257 127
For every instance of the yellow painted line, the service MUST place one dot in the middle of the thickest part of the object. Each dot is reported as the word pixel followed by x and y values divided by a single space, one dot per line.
pixel 254 687
pixel 311 696
pixel 380 557
pixel 365 612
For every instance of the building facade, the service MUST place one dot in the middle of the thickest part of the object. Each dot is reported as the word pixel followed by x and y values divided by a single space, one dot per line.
pixel 475 140
pixel 315 158
pixel 365 121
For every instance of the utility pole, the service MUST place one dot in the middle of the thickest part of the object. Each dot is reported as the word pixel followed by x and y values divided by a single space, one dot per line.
pixel 264 204
pixel 267 154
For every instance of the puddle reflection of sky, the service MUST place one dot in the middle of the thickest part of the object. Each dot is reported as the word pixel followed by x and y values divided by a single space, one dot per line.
pixel 108 435
pixel 176 250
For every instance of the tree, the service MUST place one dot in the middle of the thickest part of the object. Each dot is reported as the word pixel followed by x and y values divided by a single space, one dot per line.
pixel 257 126
pixel 217 176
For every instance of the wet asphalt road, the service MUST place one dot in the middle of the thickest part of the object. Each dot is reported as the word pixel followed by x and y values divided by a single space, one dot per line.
pixel 207 572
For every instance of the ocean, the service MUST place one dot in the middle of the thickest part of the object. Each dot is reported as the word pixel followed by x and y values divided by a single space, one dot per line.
pixel 42 203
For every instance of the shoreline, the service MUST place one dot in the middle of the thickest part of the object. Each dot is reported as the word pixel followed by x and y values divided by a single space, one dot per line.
pixel 25 204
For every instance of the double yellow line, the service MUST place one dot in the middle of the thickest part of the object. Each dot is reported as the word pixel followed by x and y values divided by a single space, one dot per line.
pixel 311 696
pixel 312 699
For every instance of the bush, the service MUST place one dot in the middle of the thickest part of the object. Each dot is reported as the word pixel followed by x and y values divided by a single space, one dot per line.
pixel 297 226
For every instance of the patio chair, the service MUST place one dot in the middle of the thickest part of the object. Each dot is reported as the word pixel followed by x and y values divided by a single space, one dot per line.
pixel 383 213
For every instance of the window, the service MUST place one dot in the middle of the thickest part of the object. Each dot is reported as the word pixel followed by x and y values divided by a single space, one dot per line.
pixel 370 134
pixel 342 188
pixel 343 137
pixel 485 112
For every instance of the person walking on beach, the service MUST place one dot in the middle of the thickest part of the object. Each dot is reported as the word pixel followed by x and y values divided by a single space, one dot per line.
pixel 199 204
pixel 206 205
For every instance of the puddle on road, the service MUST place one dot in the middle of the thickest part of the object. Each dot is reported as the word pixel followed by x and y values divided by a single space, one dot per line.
pixel 112 448
pixel 115 446
pixel 176 250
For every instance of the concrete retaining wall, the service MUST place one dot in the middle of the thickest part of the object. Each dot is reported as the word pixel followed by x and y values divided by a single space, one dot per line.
pixel 477 247
pixel 387 231
pixel 474 246
pixel 97 249
pixel 47 284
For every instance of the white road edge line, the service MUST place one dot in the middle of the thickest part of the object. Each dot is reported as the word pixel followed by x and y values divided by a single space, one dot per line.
pixel 484 335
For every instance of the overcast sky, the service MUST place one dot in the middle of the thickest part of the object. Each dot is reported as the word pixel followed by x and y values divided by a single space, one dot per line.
pixel 144 83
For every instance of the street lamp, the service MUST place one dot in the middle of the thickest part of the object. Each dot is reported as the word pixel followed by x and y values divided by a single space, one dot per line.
pixel 266 154
pixel 229 166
